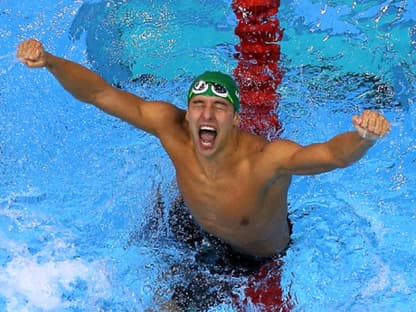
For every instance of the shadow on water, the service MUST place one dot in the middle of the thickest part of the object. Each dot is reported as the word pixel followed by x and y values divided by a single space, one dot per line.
pixel 128 39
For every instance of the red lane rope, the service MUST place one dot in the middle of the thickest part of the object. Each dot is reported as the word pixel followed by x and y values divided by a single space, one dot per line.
pixel 257 72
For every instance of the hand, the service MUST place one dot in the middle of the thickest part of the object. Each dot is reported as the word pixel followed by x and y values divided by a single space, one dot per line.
pixel 32 53
pixel 371 125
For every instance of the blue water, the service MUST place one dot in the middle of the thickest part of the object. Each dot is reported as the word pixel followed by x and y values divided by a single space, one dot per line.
pixel 78 187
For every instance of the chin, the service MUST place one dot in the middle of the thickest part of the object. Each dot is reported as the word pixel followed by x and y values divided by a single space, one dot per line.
pixel 206 151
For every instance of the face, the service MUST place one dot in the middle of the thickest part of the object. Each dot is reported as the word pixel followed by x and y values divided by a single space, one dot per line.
pixel 211 121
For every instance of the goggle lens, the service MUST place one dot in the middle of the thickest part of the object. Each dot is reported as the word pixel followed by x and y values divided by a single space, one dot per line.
pixel 200 87
pixel 219 90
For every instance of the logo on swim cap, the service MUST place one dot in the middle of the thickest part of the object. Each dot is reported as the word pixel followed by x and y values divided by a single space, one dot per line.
pixel 216 84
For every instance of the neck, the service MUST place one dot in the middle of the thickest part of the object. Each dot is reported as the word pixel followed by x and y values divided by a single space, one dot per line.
pixel 213 165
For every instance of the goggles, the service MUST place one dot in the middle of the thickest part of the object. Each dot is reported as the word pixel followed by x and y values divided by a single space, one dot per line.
pixel 216 84
pixel 202 87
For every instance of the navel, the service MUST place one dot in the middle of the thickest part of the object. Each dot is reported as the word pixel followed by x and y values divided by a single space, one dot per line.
pixel 244 221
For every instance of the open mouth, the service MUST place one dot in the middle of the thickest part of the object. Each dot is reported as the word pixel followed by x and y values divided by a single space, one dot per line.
pixel 207 135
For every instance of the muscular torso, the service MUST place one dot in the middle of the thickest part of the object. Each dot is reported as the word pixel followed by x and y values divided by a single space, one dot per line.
pixel 243 203
pixel 250 217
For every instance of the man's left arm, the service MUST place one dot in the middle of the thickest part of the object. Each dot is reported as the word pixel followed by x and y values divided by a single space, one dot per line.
pixel 339 152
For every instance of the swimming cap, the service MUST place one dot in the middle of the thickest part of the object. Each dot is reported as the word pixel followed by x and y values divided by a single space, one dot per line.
pixel 216 84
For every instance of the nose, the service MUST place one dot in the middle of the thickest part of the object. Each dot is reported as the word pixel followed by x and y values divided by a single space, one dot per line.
pixel 208 112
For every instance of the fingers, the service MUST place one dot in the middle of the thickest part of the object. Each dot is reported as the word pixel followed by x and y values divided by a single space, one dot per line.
pixel 372 124
pixel 356 120
pixel 31 53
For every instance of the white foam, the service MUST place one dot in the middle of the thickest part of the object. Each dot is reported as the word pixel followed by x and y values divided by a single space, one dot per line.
pixel 43 263
pixel 40 285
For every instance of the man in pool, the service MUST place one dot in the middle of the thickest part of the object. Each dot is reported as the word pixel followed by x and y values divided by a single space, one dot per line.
pixel 234 183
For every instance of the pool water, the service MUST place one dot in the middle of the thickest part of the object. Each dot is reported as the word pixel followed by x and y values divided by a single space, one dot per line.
pixel 80 227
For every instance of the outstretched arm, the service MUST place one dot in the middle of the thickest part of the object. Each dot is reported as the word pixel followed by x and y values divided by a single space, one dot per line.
pixel 89 87
pixel 341 151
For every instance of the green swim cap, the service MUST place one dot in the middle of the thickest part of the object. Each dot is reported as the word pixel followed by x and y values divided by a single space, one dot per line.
pixel 216 84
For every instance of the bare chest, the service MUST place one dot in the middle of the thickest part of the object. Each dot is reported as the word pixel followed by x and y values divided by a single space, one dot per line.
pixel 231 202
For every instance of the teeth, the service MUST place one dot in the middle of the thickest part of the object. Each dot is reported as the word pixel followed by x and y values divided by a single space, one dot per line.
pixel 207 128
pixel 206 143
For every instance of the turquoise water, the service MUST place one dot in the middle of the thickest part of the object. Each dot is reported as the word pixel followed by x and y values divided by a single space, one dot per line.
pixel 78 188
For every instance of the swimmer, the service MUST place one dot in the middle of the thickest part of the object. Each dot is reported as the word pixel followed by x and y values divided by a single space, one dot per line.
pixel 234 183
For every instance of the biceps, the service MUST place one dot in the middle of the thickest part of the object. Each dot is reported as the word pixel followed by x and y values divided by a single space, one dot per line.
pixel 150 116
pixel 312 159
pixel 119 103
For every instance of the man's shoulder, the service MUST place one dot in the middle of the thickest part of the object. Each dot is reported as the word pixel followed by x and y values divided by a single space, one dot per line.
pixel 282 146
pixel 270 153
pixel 172 118
pixel 175 130
pixel 250 138
pixel 261 144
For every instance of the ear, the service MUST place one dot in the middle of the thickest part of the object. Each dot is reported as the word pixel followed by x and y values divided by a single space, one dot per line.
pixel 186 116
pixel 236 119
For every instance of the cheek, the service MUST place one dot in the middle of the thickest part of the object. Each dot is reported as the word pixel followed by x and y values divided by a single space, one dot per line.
pixel 190 117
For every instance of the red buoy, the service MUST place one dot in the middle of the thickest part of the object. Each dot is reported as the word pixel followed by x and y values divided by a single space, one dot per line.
pixel 257 72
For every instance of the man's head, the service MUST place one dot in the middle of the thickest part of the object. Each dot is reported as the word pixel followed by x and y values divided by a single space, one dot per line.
pixel 212 113
pixel 216 84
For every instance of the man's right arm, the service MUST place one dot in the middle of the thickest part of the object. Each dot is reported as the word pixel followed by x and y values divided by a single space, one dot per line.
pixel 89 87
